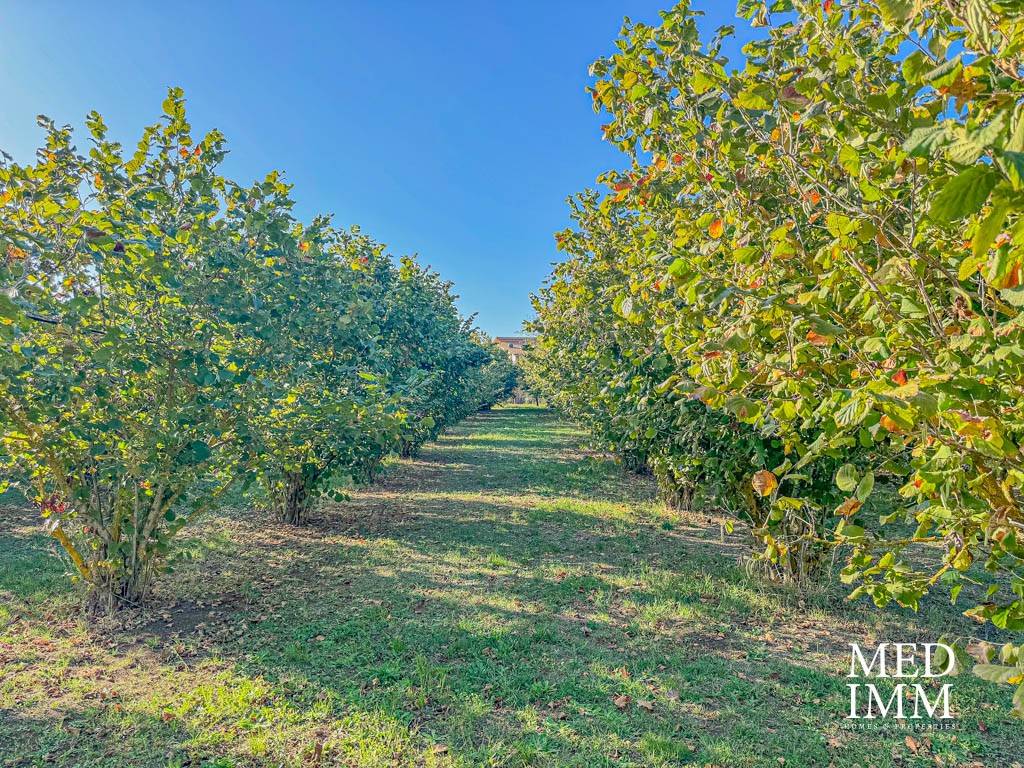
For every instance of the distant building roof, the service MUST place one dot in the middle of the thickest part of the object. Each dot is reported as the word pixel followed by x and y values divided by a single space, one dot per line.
pixel 514 345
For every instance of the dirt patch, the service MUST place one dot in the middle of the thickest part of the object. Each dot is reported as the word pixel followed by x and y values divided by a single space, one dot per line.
pixel 175 621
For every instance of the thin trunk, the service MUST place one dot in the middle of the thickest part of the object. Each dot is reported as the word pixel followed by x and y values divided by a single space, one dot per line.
pixel 110 591
pixel 677 497
pixel 635 461
pixel 292 501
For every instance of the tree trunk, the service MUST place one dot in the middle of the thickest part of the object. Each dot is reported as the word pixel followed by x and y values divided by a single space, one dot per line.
pixel 110 591
pixel 636 462
pixel 677 497
pixel 292 501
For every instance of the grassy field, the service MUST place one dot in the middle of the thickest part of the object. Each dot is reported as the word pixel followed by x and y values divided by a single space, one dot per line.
pixel 508 599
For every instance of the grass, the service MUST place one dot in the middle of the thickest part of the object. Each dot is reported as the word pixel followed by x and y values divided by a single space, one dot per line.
pixel 508 599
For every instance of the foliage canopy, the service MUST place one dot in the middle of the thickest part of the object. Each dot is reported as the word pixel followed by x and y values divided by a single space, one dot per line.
pixel 168 334
pixel 824 248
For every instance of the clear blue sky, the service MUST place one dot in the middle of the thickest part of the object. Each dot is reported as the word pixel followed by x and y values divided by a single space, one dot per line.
pixel 450 129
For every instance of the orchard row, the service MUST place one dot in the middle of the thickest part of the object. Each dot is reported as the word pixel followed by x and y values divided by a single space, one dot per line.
pixel 800 304
pixel 170 337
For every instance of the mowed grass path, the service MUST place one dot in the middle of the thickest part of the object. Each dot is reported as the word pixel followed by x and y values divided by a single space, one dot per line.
pixel 507 599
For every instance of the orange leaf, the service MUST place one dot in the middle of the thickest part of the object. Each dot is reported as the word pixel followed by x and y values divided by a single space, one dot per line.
pixel 14 253
pixel 900 377
pixel 764 482
pixel 818 339
pixel 717 228
pixel 1011 280
pixel 848 508
pixel 890 425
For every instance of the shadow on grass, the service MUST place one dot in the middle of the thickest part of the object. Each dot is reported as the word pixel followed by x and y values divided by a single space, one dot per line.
pixel 503 600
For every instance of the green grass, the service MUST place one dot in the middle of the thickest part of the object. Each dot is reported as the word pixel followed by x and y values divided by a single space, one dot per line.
pixel 486 605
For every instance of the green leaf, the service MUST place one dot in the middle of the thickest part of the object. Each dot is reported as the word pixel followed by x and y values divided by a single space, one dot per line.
pixel 989 229
pixel 926 141
pixel 199 451
pixel 1012 164
pixel 865 486
pixel 853 532
pixel 839 225
pixel 965 150
pixel 626 307
pixel 971 265
pixel 1013 296
pixel 8 308
pixel 757 97
pixel 995 673
pixel 914 66
pixel 945 73
pixel 846 478
pixel 977 19
pixel 963 195
pixel 897 11
pixel 702 83
pixel 849 159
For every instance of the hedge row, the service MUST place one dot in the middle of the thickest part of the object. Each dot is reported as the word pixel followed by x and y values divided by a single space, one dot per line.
pixel 169 335
pixel 809 278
